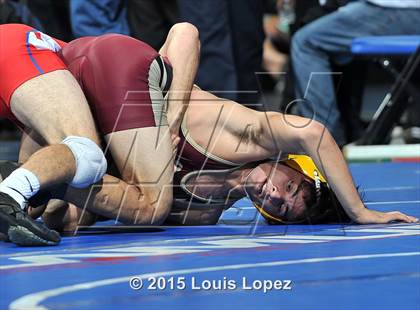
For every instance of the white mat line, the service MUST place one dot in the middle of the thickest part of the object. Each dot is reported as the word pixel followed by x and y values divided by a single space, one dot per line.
pixel 396 188
pixel 32 301
pixel 237 208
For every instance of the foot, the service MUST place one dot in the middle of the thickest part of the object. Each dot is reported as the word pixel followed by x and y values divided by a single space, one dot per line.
pixel 20 228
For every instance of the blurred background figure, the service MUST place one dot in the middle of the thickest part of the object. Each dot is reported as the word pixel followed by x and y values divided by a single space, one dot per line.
pixel 328 39
pixel 232 37
pixel 151 20
pixel 15 11
pixel 240 38
pixel 54 16
pixel 97 17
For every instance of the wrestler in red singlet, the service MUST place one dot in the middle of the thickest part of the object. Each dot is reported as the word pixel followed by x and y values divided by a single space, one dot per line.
pixel 25 53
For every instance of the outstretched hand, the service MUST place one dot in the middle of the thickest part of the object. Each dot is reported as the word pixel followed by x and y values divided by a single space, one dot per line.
pixel 376 217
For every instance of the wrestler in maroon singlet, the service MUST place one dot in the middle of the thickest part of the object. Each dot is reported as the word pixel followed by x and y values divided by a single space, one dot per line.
pixel 115 73
pixel 118 75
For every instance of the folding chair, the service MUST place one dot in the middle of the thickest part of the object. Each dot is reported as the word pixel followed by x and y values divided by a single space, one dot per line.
pixel 384 49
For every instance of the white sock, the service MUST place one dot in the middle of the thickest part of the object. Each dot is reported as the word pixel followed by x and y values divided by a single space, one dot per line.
pixel 21 185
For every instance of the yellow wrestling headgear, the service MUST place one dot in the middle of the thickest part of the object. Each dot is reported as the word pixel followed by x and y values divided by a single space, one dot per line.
pixel 305 165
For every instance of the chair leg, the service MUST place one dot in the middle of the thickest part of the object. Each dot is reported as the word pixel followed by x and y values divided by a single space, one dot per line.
pixel 391 108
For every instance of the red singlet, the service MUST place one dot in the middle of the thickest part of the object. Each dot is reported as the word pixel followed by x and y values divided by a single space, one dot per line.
pixel 25 53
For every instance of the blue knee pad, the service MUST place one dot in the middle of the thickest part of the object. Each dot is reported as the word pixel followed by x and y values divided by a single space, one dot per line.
pixel 91 164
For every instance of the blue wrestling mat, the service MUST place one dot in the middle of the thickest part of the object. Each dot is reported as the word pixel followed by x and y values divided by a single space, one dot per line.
pixel 234 265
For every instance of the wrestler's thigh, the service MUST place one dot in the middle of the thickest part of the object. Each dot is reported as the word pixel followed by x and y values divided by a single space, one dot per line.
pixel 54 106
pixel 144 157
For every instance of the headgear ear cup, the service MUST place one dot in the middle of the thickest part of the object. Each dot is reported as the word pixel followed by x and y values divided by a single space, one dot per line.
pixel 305 165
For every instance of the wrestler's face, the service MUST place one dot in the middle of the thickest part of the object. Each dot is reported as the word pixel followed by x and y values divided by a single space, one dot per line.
pixel 282 191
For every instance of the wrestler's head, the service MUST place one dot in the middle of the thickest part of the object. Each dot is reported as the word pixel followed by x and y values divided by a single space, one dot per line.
pixel 284 192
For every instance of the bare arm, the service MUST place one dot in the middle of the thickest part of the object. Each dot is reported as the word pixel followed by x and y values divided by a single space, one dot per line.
pixel 293 134
pixel 182 48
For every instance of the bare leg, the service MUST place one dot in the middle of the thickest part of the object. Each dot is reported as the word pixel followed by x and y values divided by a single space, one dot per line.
pixel 57 214
pixel 114 198
pixel 29 144
pixel 145 159
pixel 49 105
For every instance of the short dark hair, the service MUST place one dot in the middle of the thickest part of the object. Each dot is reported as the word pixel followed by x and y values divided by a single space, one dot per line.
pixel 326 210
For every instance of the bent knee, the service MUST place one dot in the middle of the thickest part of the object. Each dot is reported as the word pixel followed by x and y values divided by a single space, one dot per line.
pixel 302 39
pixel 91 164
pixel 311 36
pixel 298 40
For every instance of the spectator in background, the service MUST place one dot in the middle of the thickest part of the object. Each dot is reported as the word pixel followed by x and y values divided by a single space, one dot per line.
pixel 96 17
pixel 150 21
pixel 350 79
pixel 14 11
pixel 329 39
pixel 232 37
pixel 54 16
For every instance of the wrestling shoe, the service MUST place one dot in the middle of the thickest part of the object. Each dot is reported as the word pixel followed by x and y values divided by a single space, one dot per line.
pixel 20 228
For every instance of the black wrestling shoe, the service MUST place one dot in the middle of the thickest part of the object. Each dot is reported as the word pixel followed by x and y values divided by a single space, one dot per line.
pixel 20 228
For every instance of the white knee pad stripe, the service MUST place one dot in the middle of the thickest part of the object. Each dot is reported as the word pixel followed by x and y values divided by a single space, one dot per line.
pixel 91 164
